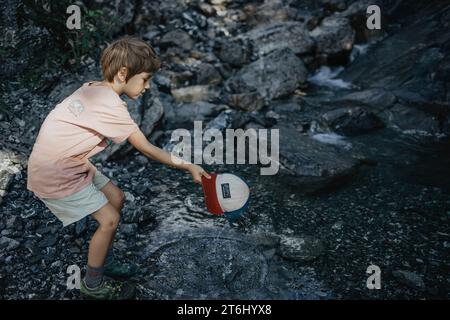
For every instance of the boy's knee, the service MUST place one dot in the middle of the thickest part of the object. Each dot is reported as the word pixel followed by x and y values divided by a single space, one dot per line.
pixel 111 223
pixel 118 199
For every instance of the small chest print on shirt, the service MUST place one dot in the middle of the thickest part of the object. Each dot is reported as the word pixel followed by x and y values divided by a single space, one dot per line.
pixel 76 107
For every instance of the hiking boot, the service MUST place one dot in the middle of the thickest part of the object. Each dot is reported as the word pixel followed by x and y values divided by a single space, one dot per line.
pixel 120 270
pixel 110 289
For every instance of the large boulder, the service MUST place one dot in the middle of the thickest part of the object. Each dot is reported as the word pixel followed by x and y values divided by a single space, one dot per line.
pixel 306 163
pixel 311 165
pixel 414 62
pixel 352 120
pixel 280 35
pixel 184 114
pixel 275 75
pixel 177 38
pixel 334 36
pixel 236 53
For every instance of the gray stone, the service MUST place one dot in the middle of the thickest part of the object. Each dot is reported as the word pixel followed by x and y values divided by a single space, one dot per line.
pixel 352 120
pixel 410 279
pixel 280 35
pixel 267 240
pixel 249 101
pixel 310 165
pixel 129 229
pixel 207 74
pixel 8 243
pixel 236 53
pixel 334 35
pixel 195 93
pixel 334 5
pixel 276 75
pixel 142 160
pixel 138 215
pixel 177 38
pixel 48 241
pixel 184 114
pixel 409 119
pixel 376 98
pixel 417 73
pixel 303 248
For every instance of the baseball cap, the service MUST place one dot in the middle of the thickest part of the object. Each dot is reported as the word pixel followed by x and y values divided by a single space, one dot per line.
pixel 226 194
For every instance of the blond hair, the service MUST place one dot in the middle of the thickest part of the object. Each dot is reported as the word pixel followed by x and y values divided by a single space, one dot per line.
pixel 134 54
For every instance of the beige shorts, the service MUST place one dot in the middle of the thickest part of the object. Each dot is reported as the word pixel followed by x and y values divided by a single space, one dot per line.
pixel 76 206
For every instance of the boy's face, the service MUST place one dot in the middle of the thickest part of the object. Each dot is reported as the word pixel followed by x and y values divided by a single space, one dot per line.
pixel 137 85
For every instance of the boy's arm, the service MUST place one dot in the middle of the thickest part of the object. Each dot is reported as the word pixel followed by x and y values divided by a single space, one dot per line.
pixel 140 142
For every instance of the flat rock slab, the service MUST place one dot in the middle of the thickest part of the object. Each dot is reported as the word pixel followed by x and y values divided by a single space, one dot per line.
pixel 222 264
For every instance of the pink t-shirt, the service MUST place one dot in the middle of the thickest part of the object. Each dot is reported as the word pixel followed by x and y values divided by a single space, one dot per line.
pixel 75 130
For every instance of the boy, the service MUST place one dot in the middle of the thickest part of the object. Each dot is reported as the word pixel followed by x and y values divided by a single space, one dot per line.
pixel 61 175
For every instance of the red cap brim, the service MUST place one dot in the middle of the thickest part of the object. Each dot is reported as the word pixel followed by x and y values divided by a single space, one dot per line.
pixel 209 191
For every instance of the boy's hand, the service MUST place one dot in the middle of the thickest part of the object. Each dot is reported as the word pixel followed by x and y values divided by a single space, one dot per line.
pixel 197 173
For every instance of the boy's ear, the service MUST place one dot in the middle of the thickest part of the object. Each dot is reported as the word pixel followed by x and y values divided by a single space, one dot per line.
pixel 122 74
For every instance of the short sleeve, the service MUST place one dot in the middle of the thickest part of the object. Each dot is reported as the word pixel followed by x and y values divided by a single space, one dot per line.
pixel 114 122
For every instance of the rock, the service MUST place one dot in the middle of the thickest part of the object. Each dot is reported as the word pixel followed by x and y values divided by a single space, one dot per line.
pixel 14 223
pixel 195 93
pixel 142 160
pixel 236 53
pixel 225 120
pixel 310 165
pixel 184 114
pixel 80 226
pixel 417 74
pixel 266 240
pixel 410 279
pixel 208 75
pixel 352 120
pixel 303 248
pixel 153 113
pixel 56 265
pixel 11 163
pixel 410 120
pixel 8 243
pixel 129 196
pixel 177 38
pixel 334 36
pixel 276 75
pixel 267 12
pixel 159 189
pixel 138 215
pixel 278 36
pixel 249 101
pixel 207 9
pixel 48 241
pixel 129 229
pixel 377 98
pixel 334 5
pixel 356 14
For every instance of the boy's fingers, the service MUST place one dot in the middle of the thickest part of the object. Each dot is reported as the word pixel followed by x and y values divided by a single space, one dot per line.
pixel 204 173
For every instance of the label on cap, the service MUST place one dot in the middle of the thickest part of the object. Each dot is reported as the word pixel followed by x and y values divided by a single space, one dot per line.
pixel 226 190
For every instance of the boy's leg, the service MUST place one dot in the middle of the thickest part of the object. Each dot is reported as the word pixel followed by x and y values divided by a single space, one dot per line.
pixel 114 195
pixel 108 218
pixel 111 268
pixel 116 198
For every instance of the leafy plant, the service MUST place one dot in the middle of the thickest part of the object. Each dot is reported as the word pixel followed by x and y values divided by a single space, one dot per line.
pixel 57 45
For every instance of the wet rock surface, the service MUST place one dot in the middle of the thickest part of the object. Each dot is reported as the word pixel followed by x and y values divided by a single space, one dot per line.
pixel 363 153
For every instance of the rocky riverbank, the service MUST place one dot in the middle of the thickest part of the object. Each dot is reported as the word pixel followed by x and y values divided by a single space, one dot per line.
pixel 363 119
